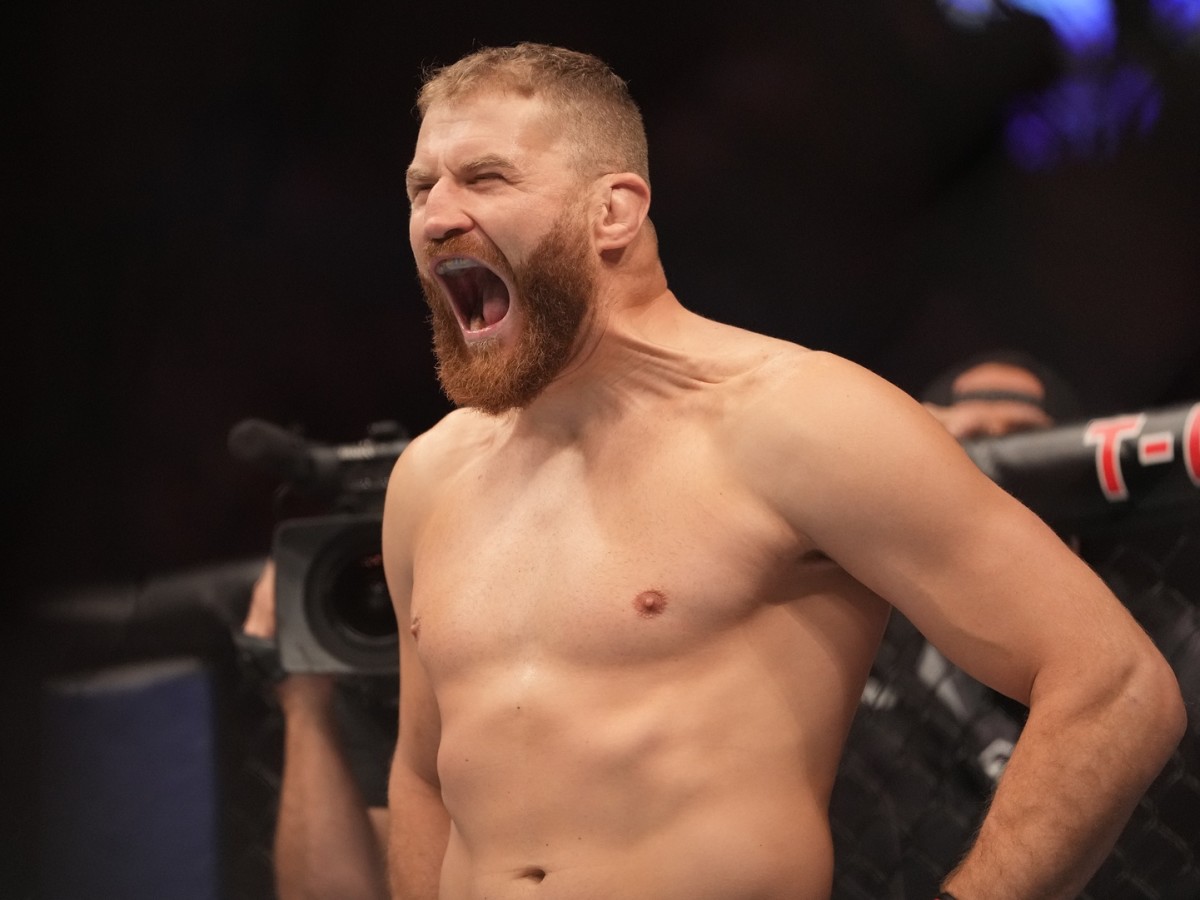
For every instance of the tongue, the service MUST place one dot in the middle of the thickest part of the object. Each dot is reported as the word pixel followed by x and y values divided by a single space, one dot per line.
pixel 495 307
pixel 482 297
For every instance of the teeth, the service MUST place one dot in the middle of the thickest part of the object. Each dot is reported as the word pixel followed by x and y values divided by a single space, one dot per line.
pixel 457 264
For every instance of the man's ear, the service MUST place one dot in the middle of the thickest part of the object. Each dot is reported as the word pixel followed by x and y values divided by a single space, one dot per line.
pixel 625 202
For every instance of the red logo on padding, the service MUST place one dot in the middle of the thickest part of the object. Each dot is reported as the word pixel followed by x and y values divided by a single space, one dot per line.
pixel 1107 435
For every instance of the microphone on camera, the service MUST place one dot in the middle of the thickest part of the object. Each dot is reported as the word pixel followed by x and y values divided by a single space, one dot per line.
pixel 285 454
pixel 351 470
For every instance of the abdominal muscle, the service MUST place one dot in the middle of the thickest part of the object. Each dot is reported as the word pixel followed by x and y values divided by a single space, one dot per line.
pixel 695 778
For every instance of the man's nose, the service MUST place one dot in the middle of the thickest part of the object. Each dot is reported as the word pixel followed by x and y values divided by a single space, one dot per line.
pixel 443 213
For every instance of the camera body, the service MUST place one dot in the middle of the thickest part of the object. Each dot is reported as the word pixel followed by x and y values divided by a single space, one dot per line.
pixel 332 607
pixel 333 612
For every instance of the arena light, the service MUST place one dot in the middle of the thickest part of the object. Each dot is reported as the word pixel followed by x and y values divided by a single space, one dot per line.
pixel 1083 27
pixel 1101 101
pixel 1082 116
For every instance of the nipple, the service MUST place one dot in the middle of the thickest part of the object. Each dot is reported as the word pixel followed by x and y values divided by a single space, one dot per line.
pixel 415 628
pixel 650 604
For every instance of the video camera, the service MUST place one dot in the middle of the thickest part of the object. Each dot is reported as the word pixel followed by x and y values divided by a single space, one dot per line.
pixel 332 607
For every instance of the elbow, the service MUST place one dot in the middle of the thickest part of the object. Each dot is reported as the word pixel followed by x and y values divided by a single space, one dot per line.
pixel 1155 689
pixel 1176 718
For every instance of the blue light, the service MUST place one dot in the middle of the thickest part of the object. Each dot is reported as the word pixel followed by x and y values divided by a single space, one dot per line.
pixel 1083 27
pixel 1083 116
pixel 1097 104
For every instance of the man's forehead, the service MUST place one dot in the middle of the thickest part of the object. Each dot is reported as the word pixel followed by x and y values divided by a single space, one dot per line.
pixel 482 117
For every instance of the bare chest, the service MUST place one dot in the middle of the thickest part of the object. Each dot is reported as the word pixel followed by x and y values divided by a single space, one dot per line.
pixel 642 557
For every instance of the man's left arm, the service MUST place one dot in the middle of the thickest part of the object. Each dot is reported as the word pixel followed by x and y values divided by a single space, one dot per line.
pixel 881 488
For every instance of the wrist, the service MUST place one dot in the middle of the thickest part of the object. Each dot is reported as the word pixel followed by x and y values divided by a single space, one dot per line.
pixel 306 693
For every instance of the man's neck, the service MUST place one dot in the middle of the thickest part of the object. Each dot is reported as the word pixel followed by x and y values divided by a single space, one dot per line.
pixel 629 354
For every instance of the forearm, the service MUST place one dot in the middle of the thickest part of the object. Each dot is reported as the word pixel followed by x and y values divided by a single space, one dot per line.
pixel 1075 776
pixel 325 843
pixel 419 832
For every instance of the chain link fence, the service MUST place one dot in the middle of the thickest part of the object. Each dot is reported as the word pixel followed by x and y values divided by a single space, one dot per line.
pixel 928 745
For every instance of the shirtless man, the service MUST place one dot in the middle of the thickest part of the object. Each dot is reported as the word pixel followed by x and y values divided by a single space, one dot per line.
pixel 642 571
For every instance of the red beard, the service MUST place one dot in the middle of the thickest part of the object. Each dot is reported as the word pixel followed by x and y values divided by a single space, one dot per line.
pixel 556 286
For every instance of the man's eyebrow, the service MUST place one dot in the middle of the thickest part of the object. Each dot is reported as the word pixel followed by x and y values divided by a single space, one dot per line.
pixel 488 161
pixel 416 175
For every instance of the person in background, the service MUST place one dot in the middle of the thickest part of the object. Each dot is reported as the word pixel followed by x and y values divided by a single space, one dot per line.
pixel 1000 392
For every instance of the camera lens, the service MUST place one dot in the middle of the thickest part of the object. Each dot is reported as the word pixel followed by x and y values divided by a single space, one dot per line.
pixel 358 599
pixel 349 609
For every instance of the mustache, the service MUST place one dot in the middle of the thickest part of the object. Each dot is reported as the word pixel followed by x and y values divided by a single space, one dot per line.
pixel 467 245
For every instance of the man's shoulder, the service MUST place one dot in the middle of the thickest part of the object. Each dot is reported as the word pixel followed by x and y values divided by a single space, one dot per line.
pixel 456 435
pixel 433 455
pixel 463 426
pixel 799 400
pixel 800 377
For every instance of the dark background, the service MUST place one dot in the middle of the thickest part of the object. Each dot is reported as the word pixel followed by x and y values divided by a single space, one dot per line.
pixel 218 227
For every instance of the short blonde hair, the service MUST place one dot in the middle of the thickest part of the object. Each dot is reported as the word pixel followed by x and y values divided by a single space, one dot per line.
pixel 598 114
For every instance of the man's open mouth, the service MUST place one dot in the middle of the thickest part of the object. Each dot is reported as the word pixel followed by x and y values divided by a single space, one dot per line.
pixel 479 296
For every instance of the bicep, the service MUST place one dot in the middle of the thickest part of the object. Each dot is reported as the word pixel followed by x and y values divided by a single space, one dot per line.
pixel 890 496
pixel 983 579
